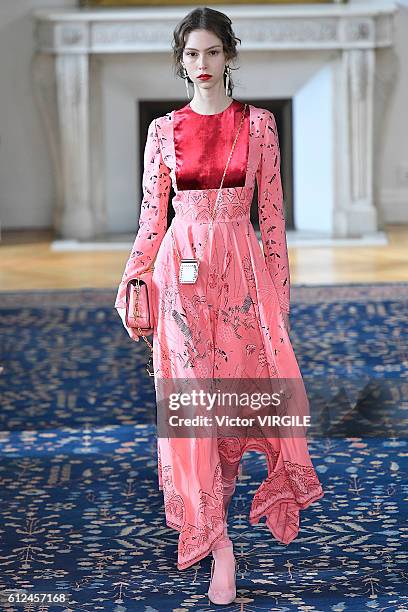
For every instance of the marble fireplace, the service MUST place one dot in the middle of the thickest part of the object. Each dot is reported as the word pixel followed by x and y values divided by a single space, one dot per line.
pixel 93 69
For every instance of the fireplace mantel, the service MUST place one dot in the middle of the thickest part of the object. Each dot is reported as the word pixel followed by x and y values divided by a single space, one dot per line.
pixel 70 37
pixel 260 26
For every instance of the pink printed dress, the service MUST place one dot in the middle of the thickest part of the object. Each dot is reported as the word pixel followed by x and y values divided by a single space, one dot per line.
pixel 229 323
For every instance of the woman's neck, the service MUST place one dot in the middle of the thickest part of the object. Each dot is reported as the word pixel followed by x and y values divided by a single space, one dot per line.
pixel 207 106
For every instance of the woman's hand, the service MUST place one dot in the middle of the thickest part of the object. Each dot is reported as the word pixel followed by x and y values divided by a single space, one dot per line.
pixel 130 331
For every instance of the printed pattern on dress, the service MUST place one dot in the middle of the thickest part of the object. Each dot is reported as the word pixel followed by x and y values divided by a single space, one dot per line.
pixel 153 213
pixel 271 213
pixel 227 325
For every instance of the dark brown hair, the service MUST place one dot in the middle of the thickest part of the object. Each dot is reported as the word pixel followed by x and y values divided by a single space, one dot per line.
pixel 205 19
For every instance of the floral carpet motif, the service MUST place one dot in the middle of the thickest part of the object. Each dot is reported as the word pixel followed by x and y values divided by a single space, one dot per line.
pixel 80 508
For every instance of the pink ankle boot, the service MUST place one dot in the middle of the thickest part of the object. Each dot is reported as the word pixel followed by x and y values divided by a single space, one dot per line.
pixel 222 589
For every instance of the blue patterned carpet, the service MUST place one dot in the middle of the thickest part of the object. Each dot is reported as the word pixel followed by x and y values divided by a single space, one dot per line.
pixel 80 507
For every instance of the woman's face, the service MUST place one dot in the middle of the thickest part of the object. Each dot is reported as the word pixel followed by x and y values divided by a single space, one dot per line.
pixel 204 54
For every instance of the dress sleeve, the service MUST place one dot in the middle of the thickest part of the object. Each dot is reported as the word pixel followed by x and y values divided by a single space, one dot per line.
pixel 271 213
pixel 156 185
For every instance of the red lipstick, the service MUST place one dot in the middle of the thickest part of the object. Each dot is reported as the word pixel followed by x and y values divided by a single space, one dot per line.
pixel 204 77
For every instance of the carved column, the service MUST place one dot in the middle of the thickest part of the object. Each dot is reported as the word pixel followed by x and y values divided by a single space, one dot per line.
pixel 69 125
pixel 359 66
pixel 73 115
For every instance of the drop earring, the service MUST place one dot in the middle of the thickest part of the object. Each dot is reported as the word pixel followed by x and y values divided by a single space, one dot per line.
pixel 227 79
pixel 185 76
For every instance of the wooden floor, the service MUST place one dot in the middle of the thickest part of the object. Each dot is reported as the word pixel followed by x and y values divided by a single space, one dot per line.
pixel 28 263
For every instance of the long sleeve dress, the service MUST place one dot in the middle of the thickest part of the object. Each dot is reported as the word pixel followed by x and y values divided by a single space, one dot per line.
pixel 229 323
